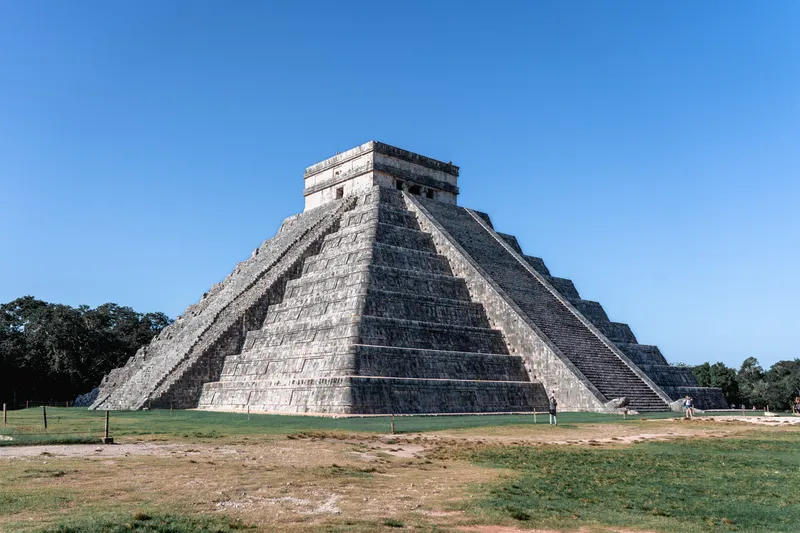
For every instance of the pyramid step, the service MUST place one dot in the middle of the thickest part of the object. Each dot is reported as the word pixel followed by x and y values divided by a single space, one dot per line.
pixel 356 395
pixel 329 329
pixel 415 282
pixel 290 364
pixel 407 259
pixel 437 364
pixel 385 197
pixel 379 331
pixel 592 311
pixel 320 348
pixel 426 309
pixel 537 264
pixel 380 232
pixel 377 253
pixel 313 306
pixel 326 281
pixel 342 257
pixel 562 285
pixel 383 213
pixel 617 332
pixel 670 376
pixel 642 354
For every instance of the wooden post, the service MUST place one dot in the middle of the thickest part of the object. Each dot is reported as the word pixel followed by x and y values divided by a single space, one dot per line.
pixel 67 403
pixel 26 403
pixel 170 409
pixel 392 423
pixel 106 438
pixel 44 416
pixel 248 412
pixel 5 420
pixel 534 416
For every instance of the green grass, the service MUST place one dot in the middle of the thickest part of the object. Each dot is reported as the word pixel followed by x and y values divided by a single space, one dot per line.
pixel 741 484
pixel 144 523
pixel 81 423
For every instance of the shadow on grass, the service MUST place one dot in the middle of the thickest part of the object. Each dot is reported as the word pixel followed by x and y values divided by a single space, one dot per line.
pixel 144 523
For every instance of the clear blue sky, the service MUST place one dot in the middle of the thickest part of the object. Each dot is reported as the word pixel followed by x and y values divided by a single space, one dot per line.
pixel 650 151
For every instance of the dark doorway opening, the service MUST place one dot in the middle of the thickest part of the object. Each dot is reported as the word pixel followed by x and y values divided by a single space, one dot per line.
pixel 340 193
pixel 415 189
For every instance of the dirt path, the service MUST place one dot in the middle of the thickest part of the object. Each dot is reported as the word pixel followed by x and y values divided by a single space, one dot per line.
pixel 100 451
pixel 410 445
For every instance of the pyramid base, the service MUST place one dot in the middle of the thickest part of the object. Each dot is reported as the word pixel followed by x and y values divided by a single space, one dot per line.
pixel 371 395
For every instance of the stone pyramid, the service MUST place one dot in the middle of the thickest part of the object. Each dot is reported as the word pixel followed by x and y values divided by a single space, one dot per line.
pixel 384 296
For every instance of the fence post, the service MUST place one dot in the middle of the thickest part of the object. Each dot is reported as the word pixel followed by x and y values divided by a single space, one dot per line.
pixel 44 416
pixel 106 438
pixel 5 420
pixel 534 415
pixel 26 403
pixel 392 424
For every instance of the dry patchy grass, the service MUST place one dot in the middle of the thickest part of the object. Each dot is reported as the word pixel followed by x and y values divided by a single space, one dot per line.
pixel 304 481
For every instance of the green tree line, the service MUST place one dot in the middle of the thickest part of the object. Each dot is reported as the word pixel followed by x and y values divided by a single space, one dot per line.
pixel 54 352
pixel 751 385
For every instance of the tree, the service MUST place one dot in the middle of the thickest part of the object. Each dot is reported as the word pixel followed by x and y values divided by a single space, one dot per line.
pixel 55 352
pixel 783 384
pixel 720 376
pixel 751 382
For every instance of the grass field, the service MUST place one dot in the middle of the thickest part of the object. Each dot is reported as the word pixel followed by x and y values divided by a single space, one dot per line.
pixel 26 425
pixel 220 472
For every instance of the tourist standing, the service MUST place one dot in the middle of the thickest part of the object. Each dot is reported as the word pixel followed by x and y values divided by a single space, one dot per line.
pixel 553 406
pixel 687 407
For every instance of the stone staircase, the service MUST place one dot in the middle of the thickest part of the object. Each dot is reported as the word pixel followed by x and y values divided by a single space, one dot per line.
pixel 375 323
pixel 170 371
pixel 676 382
pixel 606 370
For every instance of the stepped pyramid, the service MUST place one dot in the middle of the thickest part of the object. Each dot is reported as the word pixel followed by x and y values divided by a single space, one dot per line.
pixel 384 296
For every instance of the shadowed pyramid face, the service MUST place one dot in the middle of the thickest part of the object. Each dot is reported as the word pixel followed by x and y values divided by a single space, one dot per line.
pixel 384 296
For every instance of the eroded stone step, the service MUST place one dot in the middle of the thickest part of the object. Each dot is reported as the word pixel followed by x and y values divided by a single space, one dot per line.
pixel 643 354
pixel 386 214
pixel 562 285
pixel 426 309
pixel 385 233
pixel 357 395
pixel 415 282
pixel 317 306
pixel 381 331
pixel 418 363
pixel 302 332
pixel 290 364
pixel 363 253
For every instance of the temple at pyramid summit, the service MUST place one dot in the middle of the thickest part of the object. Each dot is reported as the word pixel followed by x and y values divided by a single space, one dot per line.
pixel 385 296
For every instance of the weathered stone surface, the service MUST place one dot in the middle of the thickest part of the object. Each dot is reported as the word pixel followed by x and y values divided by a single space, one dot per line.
pixel 385 297
pixel 617 403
